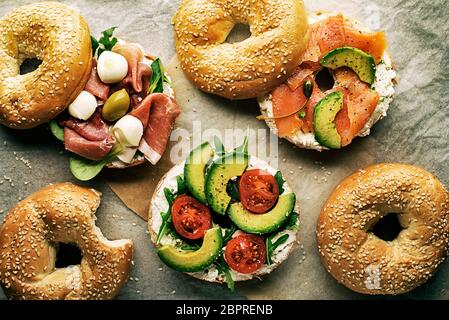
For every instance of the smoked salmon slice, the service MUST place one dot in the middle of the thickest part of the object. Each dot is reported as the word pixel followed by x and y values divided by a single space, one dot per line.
pixel 336 32
pixel 359 103
pixel 286 102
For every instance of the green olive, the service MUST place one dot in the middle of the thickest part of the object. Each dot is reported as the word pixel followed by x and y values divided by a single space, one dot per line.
pixel 116 106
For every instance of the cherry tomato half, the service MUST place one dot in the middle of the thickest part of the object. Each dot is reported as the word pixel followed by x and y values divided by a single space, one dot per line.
pixel 258 190
pixel 246 253
pixel 190 217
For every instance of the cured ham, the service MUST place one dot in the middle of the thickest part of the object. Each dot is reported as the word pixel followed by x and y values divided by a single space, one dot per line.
pixel 89 139
pixel 95 129
pixel 92 150
pixel 158 113
pixel 95 86
pixel 137 70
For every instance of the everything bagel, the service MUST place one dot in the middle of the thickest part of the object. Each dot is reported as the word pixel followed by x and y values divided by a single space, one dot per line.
pixel 247 69
pixel 61 213
pixel 363 262
pixel 60 38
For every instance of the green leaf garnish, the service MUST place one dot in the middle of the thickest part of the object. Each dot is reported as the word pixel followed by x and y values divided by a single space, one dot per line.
pixel 95 45
pixel 166 216
pixel 244 147
pixel 181 185
pixel 292 222
pixel 233 190
pixel 271 247
pixel 105 43
pixel 219 147
pixel 84 169
pixel 280 181
pixel 223 268
pixel 57 130
pixel 302 114
pixel 158 77
pixel 228 234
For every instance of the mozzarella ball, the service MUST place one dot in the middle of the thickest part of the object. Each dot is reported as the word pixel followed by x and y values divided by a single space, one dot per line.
pixel 84 106
pixel 128 131
pixel 112 67
pixel 127 155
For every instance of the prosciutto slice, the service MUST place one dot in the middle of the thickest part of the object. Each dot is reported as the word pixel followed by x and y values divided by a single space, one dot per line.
pixel 137 70
pixel 95 129
pixel 158 113
pixel 95 86
pixel 89 139
pixel 92 150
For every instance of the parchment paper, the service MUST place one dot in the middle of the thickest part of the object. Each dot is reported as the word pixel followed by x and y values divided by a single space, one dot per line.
pixel 415 131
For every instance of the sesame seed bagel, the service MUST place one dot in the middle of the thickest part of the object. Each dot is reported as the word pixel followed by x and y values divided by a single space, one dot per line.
pixel 28 246
pixel 367 264
pixel 60 38
pixel 247 69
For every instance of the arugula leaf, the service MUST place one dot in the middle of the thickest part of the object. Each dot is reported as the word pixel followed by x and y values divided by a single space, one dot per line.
pixel 166 220
pixel 271 247
pixel 223 267
pixel 280 181
pixel 166 216
pixel 158 77
pixel 105 43
pixel 228 234
pixel 181 185
pixel 170 196
pixel 84 169
pixel 57 131
pixel 219 147
pixel 95 45
pixel 292 221
pixel 233 190
pixel 244 147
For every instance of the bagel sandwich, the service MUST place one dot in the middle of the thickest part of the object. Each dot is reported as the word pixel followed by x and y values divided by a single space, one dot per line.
pixel 364 86
pixel 205 222
pixel 125 113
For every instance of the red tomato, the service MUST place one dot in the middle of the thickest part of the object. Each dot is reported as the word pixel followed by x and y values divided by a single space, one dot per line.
pixel 190 217
pixel 258 190
pixel 246 253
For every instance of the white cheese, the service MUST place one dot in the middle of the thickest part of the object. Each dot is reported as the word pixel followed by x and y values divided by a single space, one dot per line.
pixel 112 67
pixel 128 131
pixel 84 106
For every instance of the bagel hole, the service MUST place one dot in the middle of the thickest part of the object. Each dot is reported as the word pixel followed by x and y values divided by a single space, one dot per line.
pixel 388 227
pixel 29 65
pixel 324 80
pixel 239 33
pixel 68 255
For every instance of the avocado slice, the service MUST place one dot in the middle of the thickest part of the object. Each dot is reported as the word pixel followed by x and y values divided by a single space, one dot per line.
pixel 325 112
pixel 194 261
pixel 361 62
pixel 263 223
pixel 220 172
pixel 195 170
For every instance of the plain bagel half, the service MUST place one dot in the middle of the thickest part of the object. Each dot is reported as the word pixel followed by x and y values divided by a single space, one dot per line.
pixel 247 69
pixel 366 263
pixel 60 38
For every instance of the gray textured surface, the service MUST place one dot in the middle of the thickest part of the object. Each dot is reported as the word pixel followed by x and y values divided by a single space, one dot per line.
pixel 416 131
